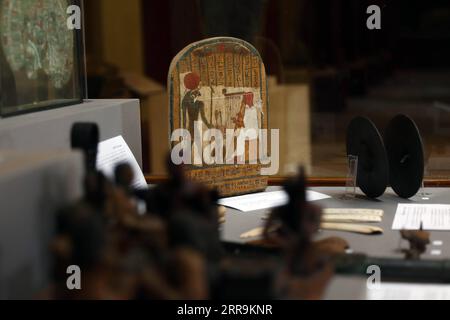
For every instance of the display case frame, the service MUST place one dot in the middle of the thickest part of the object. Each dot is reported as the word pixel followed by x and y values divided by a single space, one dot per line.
pixel 312 181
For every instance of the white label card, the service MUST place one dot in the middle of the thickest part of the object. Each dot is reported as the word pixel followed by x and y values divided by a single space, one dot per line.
pixel 431 217
pixel 409 291
pixel 115 151
pixel 265 200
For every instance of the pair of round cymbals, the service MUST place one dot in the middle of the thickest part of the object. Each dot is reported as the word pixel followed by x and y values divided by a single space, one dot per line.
pixel 398 160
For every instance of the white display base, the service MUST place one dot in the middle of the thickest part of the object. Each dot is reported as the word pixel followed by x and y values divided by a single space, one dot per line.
pixel 39 174
pixel 50 130
pixel 33 187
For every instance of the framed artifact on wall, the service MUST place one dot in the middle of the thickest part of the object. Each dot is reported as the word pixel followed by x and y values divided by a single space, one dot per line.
pixel 41 56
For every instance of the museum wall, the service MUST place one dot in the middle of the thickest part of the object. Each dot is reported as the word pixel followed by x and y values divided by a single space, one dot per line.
pixel 115 33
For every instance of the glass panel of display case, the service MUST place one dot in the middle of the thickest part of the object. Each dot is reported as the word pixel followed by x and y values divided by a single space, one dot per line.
pixel 41 55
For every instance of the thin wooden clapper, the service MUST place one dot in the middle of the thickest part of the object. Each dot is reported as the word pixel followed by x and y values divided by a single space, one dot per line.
pixel 354 228
pixel 352 216
pixel 340 219
pixel 345 227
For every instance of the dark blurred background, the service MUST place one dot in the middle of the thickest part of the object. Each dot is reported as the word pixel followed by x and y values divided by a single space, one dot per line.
pixel 325 66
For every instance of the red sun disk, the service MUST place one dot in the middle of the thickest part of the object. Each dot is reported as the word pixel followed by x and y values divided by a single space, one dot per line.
pixel 192 81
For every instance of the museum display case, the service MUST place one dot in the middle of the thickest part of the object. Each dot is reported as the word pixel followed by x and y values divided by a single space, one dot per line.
pixel 324 67
pixel 193 103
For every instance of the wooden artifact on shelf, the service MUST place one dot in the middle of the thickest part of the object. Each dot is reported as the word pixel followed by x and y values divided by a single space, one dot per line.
pixel 220 83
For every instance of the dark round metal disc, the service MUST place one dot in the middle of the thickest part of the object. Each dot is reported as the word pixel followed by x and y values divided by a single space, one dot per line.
pixel 406 156
pixel 365 142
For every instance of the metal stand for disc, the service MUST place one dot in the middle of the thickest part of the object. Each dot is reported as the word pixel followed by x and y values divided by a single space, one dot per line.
pixel 424 194
pixel 352 178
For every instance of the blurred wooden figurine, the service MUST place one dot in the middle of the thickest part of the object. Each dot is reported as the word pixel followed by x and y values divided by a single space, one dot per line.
pixel 309 265
pixel 418 242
